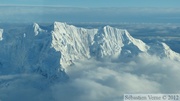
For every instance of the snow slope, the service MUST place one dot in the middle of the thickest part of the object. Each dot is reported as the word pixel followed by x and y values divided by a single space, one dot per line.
pixel 80 43
pixel 162 50
pixel 30 52
pixel 48 50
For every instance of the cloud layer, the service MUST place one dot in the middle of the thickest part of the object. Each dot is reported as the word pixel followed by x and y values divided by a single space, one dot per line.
pixel 92 80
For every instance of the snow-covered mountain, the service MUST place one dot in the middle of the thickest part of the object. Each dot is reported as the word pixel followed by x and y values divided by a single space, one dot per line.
pixel 80 43
pixel 48 50
pixel 162 50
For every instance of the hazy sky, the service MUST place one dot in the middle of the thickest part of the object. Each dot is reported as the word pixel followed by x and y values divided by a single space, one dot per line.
pixel 96 3
pixel 143 11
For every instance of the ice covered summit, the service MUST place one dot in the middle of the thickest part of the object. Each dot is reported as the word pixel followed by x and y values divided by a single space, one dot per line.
pixel 50 49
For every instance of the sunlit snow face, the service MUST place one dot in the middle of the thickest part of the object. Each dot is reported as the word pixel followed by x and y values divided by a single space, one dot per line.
pixel 99 81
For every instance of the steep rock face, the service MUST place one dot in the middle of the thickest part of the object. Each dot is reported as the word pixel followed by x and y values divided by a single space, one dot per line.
pixel 76 43
pixel 169 53
pixel 106 42
pixel 113 42
pixel 30 52
pixel 47 50
pixel 72 42
pixel 162 50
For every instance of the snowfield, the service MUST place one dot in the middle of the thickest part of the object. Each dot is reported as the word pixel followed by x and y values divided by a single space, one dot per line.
pixel 64 62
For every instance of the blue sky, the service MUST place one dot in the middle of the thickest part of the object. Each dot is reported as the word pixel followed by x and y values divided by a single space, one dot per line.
pixel 96 3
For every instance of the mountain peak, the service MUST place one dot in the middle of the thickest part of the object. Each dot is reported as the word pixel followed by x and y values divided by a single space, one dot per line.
pixel 107 26
pixel 165 46
pixel 56 22
pixel 59 24
pixel 36 28
pixel 59 45
pixel 125 37
pixel 169 53
pixel 162 50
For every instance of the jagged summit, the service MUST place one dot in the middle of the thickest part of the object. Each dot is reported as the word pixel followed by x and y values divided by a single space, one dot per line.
pixel 57 24
pixel 48 49
pixel 39 29
pixel 127 38
pixel 36 28
pixel 169 53
pixel 162 50
pixel 80 43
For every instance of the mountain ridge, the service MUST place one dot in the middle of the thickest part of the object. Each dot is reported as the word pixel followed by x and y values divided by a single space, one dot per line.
pixel 51 49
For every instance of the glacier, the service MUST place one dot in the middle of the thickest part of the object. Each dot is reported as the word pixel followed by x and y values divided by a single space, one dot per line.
pixel 49 50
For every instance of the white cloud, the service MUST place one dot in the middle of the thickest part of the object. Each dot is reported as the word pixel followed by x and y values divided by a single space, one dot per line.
pixel 104 81
pixel 91 80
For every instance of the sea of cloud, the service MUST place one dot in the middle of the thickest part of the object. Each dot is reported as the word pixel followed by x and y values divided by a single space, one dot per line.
pixel 92 80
